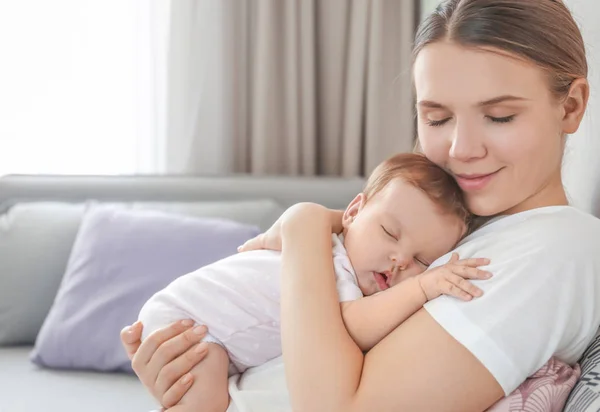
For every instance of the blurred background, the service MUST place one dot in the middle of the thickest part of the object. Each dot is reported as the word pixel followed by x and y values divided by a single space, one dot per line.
pixel 197 87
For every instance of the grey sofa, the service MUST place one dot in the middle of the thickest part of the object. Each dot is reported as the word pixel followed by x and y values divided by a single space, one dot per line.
pixel 35 246
pixel 30 273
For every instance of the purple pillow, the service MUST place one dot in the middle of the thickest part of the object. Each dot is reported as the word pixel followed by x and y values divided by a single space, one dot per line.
pixel 120 258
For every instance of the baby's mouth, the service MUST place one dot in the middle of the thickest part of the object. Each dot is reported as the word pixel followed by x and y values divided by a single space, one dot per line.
pixel 382 280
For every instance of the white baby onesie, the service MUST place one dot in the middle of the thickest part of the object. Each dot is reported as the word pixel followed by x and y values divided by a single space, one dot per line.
pixel 238 299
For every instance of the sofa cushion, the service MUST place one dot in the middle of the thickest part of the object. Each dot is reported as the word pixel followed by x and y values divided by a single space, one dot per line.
pixel 35 242
pixel 119 260
pixel 585 397
pixel 36 239
pixel 26 387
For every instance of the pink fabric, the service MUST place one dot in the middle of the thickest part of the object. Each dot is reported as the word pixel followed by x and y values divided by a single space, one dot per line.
pixel 546 390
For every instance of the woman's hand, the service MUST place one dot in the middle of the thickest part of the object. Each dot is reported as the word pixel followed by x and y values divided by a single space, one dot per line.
pixel 163 360
pixel 272 238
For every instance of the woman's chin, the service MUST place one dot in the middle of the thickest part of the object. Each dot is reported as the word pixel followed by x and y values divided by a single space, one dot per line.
pixel 486 206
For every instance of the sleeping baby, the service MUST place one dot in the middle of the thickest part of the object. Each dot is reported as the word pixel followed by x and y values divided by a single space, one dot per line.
pixel 409 214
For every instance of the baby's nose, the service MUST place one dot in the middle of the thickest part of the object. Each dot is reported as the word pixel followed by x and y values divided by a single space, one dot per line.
pixel 399 263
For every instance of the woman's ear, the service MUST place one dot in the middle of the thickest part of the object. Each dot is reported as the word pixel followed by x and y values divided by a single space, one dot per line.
pixel 352 210
pixel 574 105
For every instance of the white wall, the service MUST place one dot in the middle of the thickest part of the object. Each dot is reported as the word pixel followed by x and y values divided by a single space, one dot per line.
pixel 582 160
pixel 427 6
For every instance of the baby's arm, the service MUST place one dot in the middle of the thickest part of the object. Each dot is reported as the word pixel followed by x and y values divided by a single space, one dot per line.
pixel 370 319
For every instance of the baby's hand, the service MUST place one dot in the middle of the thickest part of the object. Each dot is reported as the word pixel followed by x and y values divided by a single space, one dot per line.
pixel 451 278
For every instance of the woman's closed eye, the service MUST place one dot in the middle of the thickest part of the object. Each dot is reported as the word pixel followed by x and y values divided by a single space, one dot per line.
pixel 505 119
pixel 441 122
pixel 437 123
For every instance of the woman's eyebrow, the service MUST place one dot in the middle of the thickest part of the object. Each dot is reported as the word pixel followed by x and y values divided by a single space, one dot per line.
pixel 500 99
pixel 430 104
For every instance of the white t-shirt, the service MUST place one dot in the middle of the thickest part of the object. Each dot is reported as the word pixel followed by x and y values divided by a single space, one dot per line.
pixel 544 297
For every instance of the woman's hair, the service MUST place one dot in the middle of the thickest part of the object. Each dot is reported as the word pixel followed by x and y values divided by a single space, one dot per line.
pixel 540 31
pixel 423 174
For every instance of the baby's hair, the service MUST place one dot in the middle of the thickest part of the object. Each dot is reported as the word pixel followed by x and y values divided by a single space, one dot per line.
pixel 417 170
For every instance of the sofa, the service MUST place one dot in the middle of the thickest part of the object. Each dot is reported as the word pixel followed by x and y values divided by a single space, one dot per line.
pixel 40 217
pixel 34 251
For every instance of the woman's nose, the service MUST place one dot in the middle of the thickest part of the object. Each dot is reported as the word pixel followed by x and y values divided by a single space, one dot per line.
pixel 466 143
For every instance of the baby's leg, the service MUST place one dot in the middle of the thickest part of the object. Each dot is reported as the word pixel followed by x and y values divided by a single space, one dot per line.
pixel 209 391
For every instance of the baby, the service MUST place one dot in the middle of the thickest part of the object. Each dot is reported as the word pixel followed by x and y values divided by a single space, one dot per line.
pixel 409 214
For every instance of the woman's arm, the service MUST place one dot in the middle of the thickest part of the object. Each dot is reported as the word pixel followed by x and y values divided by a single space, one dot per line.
pixel 418 367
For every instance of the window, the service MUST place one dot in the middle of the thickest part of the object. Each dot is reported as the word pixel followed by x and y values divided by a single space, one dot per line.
pixel 79 87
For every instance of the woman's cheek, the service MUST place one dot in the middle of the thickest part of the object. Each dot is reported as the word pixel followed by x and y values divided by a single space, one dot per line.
pixel 436 150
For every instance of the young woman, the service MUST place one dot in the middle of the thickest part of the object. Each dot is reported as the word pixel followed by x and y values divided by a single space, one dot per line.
pixel 500 84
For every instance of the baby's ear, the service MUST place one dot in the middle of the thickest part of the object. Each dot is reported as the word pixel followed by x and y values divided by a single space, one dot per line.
pixel 353 209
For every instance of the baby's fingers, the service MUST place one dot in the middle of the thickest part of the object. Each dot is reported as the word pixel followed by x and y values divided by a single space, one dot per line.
pixel 470 272
pixel 454 258
pixel 256 243
pixel 473 262
pixel 462 288
pixel 451 289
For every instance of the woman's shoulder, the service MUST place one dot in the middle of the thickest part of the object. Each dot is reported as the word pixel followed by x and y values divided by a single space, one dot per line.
pixel 538 258
pixel 554 222
pixel 555 232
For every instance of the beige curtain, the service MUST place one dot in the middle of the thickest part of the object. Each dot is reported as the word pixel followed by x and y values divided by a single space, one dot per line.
pixel 295 87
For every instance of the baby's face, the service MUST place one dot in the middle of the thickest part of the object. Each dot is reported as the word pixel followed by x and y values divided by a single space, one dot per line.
pixel 397 234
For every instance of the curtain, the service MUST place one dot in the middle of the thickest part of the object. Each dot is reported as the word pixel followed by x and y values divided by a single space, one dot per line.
pixel 295 87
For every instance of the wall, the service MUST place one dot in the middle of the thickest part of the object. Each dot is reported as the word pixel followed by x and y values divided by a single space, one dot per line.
pixel 427 6
pixel 582 166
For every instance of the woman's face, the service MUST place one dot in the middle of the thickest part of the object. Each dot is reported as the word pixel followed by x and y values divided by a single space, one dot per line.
pixel 490 120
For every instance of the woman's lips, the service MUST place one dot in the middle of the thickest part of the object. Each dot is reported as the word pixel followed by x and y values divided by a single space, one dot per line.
pixel 474 181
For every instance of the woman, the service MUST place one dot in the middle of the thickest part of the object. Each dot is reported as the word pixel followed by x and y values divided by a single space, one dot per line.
pixel 499 86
